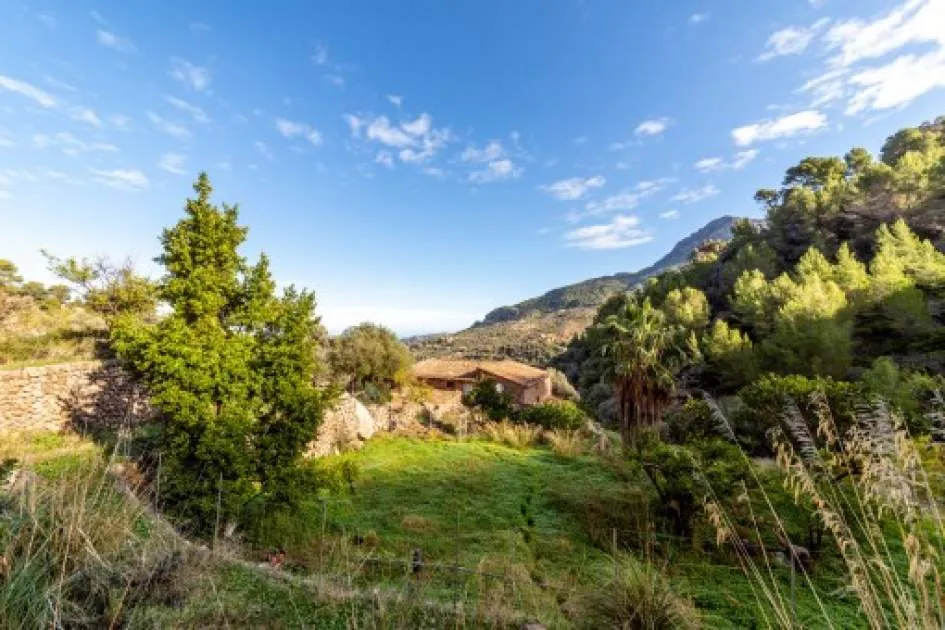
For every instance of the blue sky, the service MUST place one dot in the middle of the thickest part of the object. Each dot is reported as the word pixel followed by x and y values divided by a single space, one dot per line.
pixel 419 163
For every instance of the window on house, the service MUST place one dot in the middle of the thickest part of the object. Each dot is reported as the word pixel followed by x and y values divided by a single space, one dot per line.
pixel 450 384
pixel 499 387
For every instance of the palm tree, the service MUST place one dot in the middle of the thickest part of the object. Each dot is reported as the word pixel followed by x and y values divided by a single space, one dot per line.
pixel 644 354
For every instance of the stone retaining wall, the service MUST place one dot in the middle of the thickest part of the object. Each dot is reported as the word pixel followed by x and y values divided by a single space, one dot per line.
pixel 53 397
pixel 95 394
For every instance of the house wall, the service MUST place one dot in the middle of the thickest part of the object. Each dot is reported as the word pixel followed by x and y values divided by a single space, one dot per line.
pixel 534 392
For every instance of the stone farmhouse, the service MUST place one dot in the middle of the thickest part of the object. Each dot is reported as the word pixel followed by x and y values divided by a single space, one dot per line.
pixel 527 385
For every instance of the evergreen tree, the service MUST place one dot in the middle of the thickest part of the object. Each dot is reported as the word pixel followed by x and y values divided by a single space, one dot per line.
pixel 229 368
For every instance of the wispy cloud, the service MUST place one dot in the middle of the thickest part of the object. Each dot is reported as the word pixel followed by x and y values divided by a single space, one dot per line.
pixel 195 112
pixel 652 127
pixel 804 122
pixel 497 165
pixel 417 140
pixel 70 145
pixel 198 27
pixel 622 231
pixel 173 163
pixel 698 18
pixel 574 188
pixel 30 91
pixel 739 161
pixel 170 128
pixel 120 122
pixel 60 85
pixel 695 195
pixel 395 100
pixel 193 76
pixel 131 180
pixel 669 214
pixel 624 200
pixel 385 158
pixel 264 150
pixel 6 142
pixel 86 115
pixel 110 40
pixel 792 40
pixel 290 129
pixel 885 62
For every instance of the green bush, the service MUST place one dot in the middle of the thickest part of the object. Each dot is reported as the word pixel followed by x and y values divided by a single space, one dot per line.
pixel 690 421
pixel 553 415
pixel 765 401
pixel 486 396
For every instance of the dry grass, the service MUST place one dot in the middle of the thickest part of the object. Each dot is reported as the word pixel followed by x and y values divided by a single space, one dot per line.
pixel 565 443
pixel 870 491
pixel 514 435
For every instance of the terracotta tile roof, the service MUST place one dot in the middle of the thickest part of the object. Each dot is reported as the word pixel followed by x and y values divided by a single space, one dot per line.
pixel 458 369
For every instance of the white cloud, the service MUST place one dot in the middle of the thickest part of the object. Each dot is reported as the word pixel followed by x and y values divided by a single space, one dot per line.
pixel 792 40
pixel 320 58
pixel 491 151
pixel 580 140
pixel 95 15
pixel 122 179
pixel 198 27
pixel 652 127
pixel 334 79
pixel 707 165
pixel 803 122
pixel 432 171
pixel 622 231
pixel 885 62
pixel 698 18
pixel 418 127
pixel 354 124
pixel 86 115
pixel 60 85
pixel 739 161
pixel 695 195
pixel 898 83
pixel 5 142
pixel 120 122
pixel 196 112
pixel 170 128
pixel 385 158
pixel 495 171
pixel 110 40
pixel 195 77
pixel 574 188
pixel 173 163
pixel 624 200
pixel 46 19
pixel 381 130
pixel 395 100
pixel 29 91
pixel 417 140
pixel 669 214
pixel 264 150
pixel 70 145
pixel 291 129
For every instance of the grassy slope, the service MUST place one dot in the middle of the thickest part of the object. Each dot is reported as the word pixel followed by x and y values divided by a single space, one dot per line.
pixel 411 491
pixel 525 515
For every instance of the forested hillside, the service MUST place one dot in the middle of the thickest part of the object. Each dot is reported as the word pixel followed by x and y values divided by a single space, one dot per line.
pixel 841 289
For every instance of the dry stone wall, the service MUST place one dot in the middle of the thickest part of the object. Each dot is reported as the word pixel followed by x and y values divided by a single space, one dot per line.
pixel 70 395
pixel 99 395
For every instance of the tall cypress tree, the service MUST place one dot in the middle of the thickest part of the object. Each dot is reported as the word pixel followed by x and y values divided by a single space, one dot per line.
pixel 229 368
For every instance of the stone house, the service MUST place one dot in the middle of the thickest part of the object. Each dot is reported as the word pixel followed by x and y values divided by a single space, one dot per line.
pixel 526 384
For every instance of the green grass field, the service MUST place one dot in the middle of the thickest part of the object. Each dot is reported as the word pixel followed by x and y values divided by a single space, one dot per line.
pixel 533 532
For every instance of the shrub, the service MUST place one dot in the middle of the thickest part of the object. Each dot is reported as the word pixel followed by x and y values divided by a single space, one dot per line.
pixel 637 596
pixel 486 396
pixel 553 415
pixel 765 400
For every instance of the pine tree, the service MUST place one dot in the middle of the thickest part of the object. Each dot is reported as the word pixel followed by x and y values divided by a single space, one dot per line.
pixel 229 369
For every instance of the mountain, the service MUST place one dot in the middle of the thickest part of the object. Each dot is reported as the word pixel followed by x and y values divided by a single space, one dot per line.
pixel 593 292
pixel 539 328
